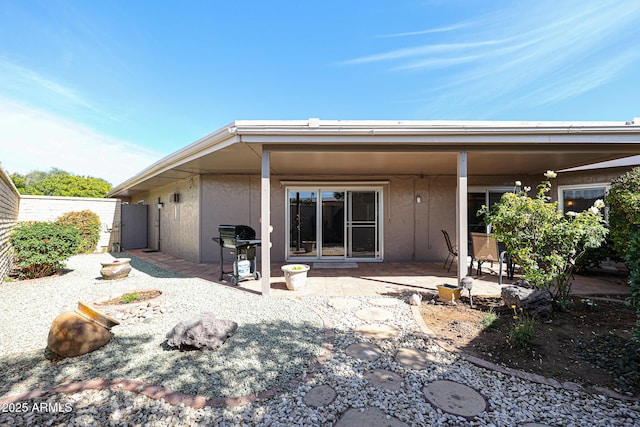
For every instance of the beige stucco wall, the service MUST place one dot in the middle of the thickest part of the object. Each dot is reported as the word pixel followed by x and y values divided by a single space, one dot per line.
pixel 411 229
pixel 49 208
pixel 175 228
pixel 230 199
pixel 598 176
pixel 236 200
pixel 9 207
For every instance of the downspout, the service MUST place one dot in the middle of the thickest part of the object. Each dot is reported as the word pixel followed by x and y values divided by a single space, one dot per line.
pixel 159 211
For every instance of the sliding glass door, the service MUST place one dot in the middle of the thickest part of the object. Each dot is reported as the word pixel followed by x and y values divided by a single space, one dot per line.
pixel 334 223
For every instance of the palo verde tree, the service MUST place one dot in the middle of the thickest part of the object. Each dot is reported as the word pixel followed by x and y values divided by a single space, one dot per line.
pixel 543 241
pixel 60 183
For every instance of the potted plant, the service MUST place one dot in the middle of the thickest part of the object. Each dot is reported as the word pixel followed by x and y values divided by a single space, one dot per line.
pixel 295 275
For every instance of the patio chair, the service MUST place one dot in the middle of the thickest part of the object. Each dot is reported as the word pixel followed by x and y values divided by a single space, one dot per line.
pixel 453 251
pixel 485 249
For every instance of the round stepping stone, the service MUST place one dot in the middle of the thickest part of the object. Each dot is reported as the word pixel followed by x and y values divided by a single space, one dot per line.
pixel 455 398
pixel 377 331
pixel 412 358
pixel 374 313
pixel 368 417
pixel 384 379
pixel 385 302
pixel 364 351
pixel 319 396
pixel 344 303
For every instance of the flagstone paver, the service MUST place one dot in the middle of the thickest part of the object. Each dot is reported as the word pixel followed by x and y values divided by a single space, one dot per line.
pixel 319 396
pixel 374 313
pixel 377 331
pixel 413 359
pixel 455 398
pixel 385 302
pixel 364 351
pixel 384 378
pixel 368 417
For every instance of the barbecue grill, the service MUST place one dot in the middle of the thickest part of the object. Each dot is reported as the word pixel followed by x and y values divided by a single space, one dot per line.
pixel 242 239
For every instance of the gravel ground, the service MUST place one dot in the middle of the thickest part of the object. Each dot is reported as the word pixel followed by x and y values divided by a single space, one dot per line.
pixel 275 340
pixel 511 401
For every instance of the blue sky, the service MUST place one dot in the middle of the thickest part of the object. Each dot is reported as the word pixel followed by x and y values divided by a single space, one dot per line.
pixel 106 88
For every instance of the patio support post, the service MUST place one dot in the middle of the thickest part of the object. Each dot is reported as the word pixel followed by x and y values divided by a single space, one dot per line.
pixel 265 222
pixel 461 216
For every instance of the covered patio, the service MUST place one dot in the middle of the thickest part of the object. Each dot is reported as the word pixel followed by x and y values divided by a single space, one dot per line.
pixel 389 278
pixel 420 173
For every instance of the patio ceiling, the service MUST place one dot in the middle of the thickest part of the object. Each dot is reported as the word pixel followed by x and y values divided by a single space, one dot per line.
pixel 422 148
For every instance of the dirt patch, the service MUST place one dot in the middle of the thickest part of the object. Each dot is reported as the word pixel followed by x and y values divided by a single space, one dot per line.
pixel 132 297
pixel 590 344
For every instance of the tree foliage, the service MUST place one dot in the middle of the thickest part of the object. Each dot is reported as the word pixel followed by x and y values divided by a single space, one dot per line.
pixel 624 209
pixel 543 241
pixel 60 183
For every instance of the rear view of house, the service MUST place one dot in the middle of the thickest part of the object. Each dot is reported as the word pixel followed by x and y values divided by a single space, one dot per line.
pixel 366 191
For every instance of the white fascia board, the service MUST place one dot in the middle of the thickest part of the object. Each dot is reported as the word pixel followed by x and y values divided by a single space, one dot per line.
pixel 213 142
pixel 419 126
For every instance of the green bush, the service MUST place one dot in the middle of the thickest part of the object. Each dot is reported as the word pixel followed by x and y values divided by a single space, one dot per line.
pixel 543 241
pixel 633 261
pixel 41 248
pixel 624 209
pixel 88 224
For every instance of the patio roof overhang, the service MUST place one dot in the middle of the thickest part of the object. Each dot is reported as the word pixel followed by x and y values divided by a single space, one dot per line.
pixel 462 149
pixel 392 147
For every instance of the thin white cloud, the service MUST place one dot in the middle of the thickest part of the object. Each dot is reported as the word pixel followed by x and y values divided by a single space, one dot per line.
pixel 32 139
pixel 428 31
pixel 23 83
pixel 421 51
pixel 534 52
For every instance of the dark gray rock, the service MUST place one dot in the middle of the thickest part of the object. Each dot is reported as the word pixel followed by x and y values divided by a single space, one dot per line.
pixel 523 283
pixel 534 302
pixel 204 331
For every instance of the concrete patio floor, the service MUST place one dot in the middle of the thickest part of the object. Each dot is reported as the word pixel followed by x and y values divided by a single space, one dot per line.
pixel 386 278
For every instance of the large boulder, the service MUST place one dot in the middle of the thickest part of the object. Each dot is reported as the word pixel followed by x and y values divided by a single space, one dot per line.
pixel 204 331
pixel 534 302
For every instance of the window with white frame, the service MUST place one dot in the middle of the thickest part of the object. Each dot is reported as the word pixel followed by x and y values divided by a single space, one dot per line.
pixel 578 198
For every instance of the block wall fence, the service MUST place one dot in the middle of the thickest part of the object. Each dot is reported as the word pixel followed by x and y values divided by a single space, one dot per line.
pixel 9 207
pixel 49 208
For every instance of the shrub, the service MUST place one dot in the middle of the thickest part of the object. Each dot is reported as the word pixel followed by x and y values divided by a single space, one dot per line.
pixel 633 261
pixel 88 224
pixel 543 241
pixel 593 257
pixel 41 248
pixel 624 209
pixel 490 318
